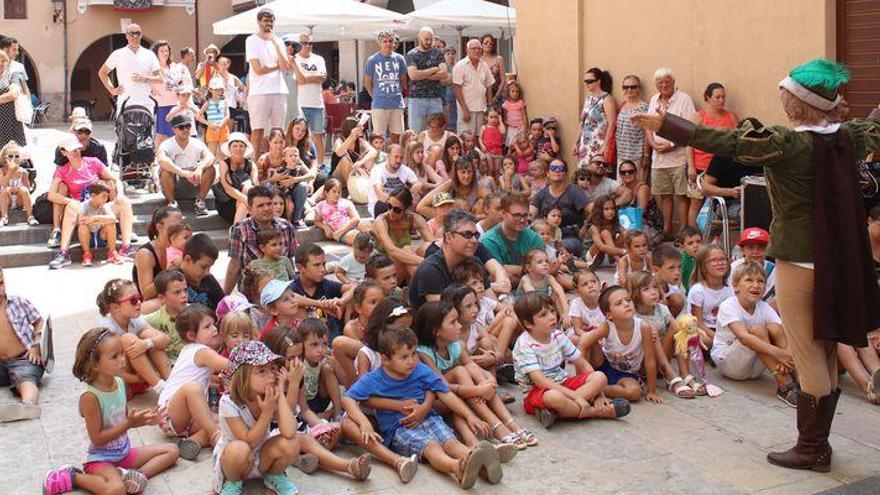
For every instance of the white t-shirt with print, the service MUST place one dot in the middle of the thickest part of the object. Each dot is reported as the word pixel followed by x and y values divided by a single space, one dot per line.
pixel 264 51
pixel 185 158
pixel 128 63
pixel 592 317
pixel 731 311
pixel 380 175
pixel 708 300
pixel 310 93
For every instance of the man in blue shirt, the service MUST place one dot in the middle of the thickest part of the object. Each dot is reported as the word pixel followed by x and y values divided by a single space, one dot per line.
pixel 384 78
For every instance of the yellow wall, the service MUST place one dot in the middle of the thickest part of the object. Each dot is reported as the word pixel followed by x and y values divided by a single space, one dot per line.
pixel 747 45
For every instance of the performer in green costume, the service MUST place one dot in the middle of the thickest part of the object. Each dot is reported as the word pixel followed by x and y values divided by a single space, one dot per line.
pixel 825 283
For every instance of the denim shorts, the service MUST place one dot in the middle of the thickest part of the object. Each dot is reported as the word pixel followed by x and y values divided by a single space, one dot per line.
pixel 19 370
pixel 315 118
pixel 413 441
pixel 419 109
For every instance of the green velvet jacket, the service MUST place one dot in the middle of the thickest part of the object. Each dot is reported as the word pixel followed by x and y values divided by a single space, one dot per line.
pixel 787 157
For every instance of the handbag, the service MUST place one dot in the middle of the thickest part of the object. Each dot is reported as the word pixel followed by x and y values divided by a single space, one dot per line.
pixel 358 183
pixel 24 110
pixel 631 217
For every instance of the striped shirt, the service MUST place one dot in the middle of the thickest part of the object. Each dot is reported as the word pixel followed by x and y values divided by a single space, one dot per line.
pixel 549 358
pixel 215 111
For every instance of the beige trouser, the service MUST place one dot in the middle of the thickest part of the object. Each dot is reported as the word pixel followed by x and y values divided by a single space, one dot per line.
pixel 815 360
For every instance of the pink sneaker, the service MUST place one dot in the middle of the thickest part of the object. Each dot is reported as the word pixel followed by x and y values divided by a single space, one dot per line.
pixel 87 259
pixel 59 480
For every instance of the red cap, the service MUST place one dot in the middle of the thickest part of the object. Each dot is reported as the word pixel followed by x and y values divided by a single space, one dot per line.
pixel 754 235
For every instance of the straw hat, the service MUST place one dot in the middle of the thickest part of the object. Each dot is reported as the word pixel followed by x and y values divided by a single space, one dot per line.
pixel 241 137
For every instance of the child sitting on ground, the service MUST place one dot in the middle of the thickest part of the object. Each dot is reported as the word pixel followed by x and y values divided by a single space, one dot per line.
pixel 351 268
pixel 645 293
pixel 540 355
pixel 320 384
pixel 496 318
pixel 537 178
pixel 112 464
pixel 389 311
pixel 171 288
pixel 606 233
pixel 749 335
pixel 381 268
pixel 120 305
pixel 689 240
pixel 753 243
pixel 667 271
pixel 183 404
pixel 438 329
pixel 558 258
pixel 377 141
pixel 536 278
pixel 709 288
pixel 325 297
pixel 345 347
pixel 628 348
pixel 271 246
pixel 96 224
pixel 637 257
pixel 442 204
pixel 584 310
pixel 491 207
pixel 199 255
pixel 510 181
pixel 249 447
pixel 178 234
pixel 253 280
pixel 478 342
pixel 419 431
pixel 282 305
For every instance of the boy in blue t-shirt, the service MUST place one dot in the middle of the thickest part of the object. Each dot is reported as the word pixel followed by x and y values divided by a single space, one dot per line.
pixel 415 429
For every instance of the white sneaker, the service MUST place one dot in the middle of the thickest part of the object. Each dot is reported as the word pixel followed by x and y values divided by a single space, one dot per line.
pixel 172 204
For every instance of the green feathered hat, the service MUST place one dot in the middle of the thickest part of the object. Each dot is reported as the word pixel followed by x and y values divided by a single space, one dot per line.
pixel 817 82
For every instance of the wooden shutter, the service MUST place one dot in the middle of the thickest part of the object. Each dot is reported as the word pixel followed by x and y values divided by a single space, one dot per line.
pixel 15 9
pixel 858 45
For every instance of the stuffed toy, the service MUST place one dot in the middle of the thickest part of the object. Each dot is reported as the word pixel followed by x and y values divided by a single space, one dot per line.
pixel 688 344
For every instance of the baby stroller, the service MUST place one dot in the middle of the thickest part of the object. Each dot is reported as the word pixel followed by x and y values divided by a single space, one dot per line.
pixel 135 152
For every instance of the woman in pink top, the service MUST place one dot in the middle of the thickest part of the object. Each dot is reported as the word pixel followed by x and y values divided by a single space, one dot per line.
pixel 712 115
pixel 67 188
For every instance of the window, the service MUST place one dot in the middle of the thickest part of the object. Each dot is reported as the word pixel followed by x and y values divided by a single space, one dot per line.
pixel 15 9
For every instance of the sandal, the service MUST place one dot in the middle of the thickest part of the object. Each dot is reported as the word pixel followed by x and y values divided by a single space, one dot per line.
pixel 546 417
pixel 189 449
pixel 470 466
pixel 514 439
pixel 359 467
pixel 491 468
pixel 506 449
pixel 528 437
pixel 406 468
pixel 682 391
pixel 307 463
pixel 873 388
pixel 697 387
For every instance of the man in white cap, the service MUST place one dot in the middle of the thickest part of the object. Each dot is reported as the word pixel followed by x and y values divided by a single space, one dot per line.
pixel 472 80
pixel 311 100
pixel 137 68
pixel 267 91
pixel 188 158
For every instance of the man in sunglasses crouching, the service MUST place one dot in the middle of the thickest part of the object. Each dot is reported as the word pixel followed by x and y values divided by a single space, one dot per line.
pixel 185 157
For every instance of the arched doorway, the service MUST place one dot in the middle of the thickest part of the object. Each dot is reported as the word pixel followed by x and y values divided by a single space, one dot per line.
pixel 86 89
pixel 31 68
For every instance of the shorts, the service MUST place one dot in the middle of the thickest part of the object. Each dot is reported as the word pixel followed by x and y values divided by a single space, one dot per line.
pixel 669 180
pixel 126 462
pixel 315 118
pixel 387 119
pixel 16 371
pixel 167 426
pixel 132 389
pixel 318 404
pixel 418 110
pixel 414 441
pixel 163 127
pixel 478 119
pixel 614 375
pixel 267 111
pixel 254 472
pixel 216 134
pixel 740 363
pixel 535 398
pixel 96 241
pixel 513 133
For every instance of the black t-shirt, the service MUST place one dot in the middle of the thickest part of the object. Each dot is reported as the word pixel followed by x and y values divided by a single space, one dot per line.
pixel 729 173
pixel 208 292
pixel 327 289
pixel 432 276
pixel 94 149
pixel 572 202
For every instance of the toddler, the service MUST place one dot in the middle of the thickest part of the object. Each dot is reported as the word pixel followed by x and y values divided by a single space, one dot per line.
pixel 556 254
pixel 536 278
pixel 515 114
pixel 689 241
pixel 320 384
pixel 178 234
pixel 14 185
pixel 336 216
pixel 524 153
pixel 637 257
pixel 271 246
pixel 351 268
pixel 667 271
pixel 584 310
pixel 215 114
pixel 492 140
pixel 96 224
pixel 510 181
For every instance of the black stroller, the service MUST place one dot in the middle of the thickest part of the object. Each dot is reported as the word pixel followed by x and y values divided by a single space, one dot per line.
pixel 135 151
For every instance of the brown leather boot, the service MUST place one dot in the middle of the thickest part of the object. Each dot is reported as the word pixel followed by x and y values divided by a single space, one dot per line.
pixel 812 450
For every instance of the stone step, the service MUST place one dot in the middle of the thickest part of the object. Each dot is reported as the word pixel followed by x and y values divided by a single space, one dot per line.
pixel 38 254
pixel 20 233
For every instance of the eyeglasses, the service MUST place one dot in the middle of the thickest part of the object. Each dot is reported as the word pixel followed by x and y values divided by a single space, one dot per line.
pixel 556 168
pixel 627 86
pixel 133 33
pixel 134 300
pixel 397 209
pixel 184 127
pixel 13 157
pixel 589 81
pixel 519 216
pixel 467 234
pixel 627 172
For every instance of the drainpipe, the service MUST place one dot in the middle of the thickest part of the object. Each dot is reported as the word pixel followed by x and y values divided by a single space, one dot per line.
pixel 196 15
pixel 66 67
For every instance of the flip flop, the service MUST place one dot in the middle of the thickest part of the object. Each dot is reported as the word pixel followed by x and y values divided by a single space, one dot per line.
pixel 470 466
pixel 407 468
pixel 491 469
pixel 189 449
pixel 874 388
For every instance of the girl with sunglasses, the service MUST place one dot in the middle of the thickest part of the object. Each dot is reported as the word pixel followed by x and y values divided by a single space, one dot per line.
pixel 14 185
pixel 628 177
pixel 147 365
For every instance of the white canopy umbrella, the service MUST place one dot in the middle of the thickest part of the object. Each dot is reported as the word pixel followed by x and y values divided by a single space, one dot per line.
pixel 462 14
pixel 326 19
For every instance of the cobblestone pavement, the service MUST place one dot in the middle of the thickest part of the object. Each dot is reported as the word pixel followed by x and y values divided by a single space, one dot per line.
pixel 682 446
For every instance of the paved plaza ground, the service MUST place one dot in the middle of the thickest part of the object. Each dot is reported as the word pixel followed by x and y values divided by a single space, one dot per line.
pixel 682 446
